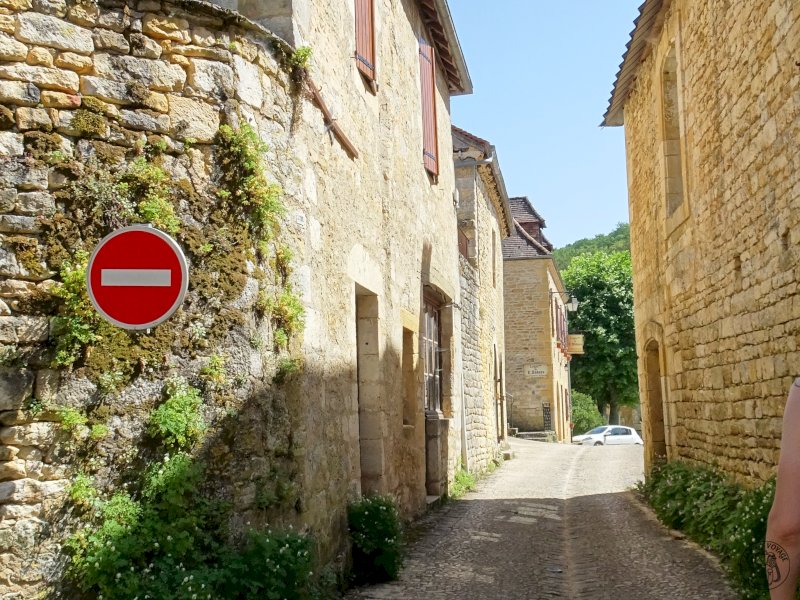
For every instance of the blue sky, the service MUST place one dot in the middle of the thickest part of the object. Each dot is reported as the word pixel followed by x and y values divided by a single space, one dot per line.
pixel 542 73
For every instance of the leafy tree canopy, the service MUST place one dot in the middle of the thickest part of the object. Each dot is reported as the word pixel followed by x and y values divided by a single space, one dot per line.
pixel 603 285
pixel 618 240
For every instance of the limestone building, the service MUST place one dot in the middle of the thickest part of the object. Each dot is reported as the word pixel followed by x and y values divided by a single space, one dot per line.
pixel 708 98
pixel 537 342
pixel 360 144
pixel 484 220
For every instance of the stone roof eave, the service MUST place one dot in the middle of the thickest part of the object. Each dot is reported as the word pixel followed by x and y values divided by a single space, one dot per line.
pixel 493 179
pixel 436 16
pixel 645 26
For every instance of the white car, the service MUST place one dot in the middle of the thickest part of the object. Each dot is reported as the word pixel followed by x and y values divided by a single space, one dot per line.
pixel 608 435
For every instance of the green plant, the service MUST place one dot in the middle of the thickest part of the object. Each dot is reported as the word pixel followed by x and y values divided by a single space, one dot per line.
pixel 98 431
pixel 301 57
pixel 273 566
pixel 110 382
pixel 149 183
pixel 585 415
pixel 82 491
pixel 288 311
pixel 214 371
pixel 76 325
pixel 244 184
pixel 743 537
pixel 376 531
pixel 34 407
pixel 717 513
pixel 71 419
pixel 178 421
pixel 463 482
pixel 286 368
pixel 280 338
pixel 171 544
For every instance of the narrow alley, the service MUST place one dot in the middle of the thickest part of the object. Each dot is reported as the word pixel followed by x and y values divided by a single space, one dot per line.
pixel 558 521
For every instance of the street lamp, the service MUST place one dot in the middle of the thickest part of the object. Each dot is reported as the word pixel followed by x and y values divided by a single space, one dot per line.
pixel 572 305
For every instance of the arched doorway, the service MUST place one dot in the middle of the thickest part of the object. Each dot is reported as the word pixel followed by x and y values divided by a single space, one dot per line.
pixel 654 430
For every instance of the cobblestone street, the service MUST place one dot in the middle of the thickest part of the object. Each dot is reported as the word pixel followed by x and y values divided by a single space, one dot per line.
pixel 555 522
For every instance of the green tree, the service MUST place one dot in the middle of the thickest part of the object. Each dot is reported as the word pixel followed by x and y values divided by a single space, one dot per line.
pixel 585 415
pixel 603 285
pixel 619 240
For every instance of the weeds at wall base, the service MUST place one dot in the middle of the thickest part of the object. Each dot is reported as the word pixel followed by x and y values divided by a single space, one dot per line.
pixel 718 514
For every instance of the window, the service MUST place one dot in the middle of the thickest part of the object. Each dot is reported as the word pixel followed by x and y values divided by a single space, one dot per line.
pixel 365 38
pixel 431 349
pixel 673 167
pixel 409 385
pixel 427 71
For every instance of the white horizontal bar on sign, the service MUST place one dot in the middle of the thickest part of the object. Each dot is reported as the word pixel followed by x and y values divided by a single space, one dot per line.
pixel 136 277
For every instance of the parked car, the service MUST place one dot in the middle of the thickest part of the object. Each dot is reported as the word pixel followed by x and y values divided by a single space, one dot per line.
pixel 608 435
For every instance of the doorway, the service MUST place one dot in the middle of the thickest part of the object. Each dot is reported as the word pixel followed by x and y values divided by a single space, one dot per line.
pixel 655 431
pixel 370 415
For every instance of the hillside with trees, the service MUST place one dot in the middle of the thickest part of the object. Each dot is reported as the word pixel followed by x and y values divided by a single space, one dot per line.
pixel 616 241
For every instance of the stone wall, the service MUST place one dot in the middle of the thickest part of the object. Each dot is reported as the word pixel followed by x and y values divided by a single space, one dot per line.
pixel 483 339
pixel 477 428
pixel 536 368
pixel 87 90
pixel 715 281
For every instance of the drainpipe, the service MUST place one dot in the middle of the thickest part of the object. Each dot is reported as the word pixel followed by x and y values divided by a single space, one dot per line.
pixel 464 449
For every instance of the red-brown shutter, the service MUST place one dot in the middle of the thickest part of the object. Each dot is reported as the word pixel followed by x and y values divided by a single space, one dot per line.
pixel 427 69
pixel 365 38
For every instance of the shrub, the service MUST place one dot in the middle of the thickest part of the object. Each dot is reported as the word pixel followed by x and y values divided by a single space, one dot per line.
pixel 719 514
pixel 585 415
pixel 743 536
pixel 170 544
pixel 273 566
pixel 376 532
pixel 178 422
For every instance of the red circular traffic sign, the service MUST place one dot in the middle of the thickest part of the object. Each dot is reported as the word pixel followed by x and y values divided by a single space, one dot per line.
pixel 137 277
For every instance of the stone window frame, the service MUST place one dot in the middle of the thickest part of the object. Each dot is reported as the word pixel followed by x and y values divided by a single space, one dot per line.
pixel 673 145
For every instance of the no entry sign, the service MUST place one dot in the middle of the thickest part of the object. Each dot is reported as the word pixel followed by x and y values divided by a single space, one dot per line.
pixel 137 277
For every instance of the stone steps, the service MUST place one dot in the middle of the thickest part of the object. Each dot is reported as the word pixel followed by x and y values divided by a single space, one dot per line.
pixel 537 436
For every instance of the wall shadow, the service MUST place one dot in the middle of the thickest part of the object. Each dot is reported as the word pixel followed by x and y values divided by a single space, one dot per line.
pixel 606 546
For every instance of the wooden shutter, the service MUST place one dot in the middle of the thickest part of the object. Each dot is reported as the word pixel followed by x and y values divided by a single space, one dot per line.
pixel 365 38
pixel 427 70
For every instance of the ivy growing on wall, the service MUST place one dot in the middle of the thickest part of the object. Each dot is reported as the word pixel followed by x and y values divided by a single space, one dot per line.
pixel 163 534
